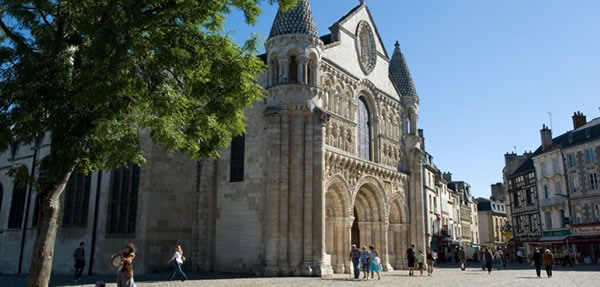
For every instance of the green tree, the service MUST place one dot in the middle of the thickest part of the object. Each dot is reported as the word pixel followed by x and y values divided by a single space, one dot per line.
pixel 93 73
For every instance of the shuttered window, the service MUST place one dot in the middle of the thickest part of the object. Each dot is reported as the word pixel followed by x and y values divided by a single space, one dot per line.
pixel 122 203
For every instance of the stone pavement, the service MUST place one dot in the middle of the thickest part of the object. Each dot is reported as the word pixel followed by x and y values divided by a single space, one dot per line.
pixel 445 275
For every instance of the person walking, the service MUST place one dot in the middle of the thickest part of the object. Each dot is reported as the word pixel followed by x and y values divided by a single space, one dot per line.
pixel 463 258
pixel 178 258
pixel 520 256
pixel 430 261
pixel 79 260
pixel 421 261
pixel 355 257
pixel 548 262
pixel 374 262
pixel 567 259
pixel 364 260
pixel 125 273
pixel 410 258
pixel 482 258
pixel 489 260
pixel 499 256
pixel 537 262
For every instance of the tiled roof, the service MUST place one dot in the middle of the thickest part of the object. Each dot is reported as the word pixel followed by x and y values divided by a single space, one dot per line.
pixel 298 20
pixel 527 165
pixel 400 74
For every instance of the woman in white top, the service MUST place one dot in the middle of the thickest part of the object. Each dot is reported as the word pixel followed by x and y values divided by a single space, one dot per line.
pixel 178 258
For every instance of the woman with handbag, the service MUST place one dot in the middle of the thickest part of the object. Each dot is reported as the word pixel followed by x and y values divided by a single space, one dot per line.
pixel 375 262
pixel 178 258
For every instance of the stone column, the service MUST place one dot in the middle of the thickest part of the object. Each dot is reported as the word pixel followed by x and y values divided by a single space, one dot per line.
pixel 302 69
pixel 284 267
pixel 272 194
pixel 284 71
pixel 340 236
pixel 296 199
pixel 385 248
pixel 307 269
pixel 319 189
pixel 348 243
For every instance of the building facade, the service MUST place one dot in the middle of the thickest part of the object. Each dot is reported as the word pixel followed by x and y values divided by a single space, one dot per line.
pixel 492 219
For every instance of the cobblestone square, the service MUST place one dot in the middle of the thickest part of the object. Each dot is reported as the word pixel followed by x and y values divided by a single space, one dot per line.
pixel 445 275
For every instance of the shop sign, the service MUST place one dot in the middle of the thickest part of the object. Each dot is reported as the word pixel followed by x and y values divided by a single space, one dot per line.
pixel 587 229
pixel 557 233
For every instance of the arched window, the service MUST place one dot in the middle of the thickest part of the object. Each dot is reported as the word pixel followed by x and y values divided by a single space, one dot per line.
pixel 17 206
pixel 364 130
pixel 293 79
pixel 1 196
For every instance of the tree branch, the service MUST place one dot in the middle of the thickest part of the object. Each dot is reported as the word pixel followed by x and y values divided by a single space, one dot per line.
pixel 18 39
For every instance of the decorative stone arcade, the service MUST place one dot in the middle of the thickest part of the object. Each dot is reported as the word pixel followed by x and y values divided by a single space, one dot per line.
pixel 365 215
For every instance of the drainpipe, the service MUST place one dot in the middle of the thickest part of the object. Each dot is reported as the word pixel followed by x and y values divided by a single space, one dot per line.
pixel 30 189
pixel 95 227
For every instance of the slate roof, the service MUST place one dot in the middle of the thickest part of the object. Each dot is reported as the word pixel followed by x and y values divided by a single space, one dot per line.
pixel 583 134
pixel 298 20
pixel 400 74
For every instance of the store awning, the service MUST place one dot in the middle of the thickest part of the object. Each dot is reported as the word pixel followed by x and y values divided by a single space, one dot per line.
pixel 584 239
pixel 549 240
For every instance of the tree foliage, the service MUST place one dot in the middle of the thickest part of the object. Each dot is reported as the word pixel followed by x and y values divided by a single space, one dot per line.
pixel 93 73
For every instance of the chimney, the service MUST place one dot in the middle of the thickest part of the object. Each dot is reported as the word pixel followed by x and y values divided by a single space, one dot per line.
pixel 447 176
pixel 579 120
pixel 546 135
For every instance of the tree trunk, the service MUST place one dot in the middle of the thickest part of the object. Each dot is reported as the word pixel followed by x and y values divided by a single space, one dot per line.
pixel 43 250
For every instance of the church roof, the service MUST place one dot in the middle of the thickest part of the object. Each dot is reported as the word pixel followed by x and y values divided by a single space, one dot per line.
pixel 401 75
pixel 298 20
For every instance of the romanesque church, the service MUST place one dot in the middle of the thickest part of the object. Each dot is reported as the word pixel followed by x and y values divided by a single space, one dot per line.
pixel 331 157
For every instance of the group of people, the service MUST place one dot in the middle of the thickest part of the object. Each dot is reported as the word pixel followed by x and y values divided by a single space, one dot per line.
pixel 369 260
pixel 424 261
pixel 123 260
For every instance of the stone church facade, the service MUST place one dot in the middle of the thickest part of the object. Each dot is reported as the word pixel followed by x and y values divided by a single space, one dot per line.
pixel 331 157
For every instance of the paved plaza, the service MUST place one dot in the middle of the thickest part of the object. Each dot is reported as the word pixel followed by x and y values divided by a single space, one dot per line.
pixel 445 275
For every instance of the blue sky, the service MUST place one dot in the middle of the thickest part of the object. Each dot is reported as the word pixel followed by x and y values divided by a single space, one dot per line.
pixel 487 72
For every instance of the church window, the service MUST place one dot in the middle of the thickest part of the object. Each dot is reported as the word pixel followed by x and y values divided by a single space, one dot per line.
pixel 17 206
pixel 122 202
pixel 77 197
pixel 293 79
pixel 1 196
pixel 236 172
pixel 364 130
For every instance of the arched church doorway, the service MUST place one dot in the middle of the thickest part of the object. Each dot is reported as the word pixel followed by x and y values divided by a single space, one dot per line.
pixel 369 219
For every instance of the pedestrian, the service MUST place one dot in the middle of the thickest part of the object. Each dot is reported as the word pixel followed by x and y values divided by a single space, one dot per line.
pixel 567 259
pixel 548 262
pixel 482 258
pixel 520 256
pixel 421 261
pixel 410 258
pixel 374 262
pixel 79 260
pixel 430 261
pixel 499 258
pixel 178 259
pixel 364 260
pixel 128 253
pixel 537 262
pixel 125 273
pixel 355 257
pixel 489 259
pixel 463 258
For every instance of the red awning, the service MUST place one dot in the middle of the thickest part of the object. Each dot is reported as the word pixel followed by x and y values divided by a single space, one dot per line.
pixel 583 239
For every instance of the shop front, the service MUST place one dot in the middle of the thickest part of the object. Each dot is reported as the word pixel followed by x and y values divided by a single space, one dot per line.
pixel 556 241
pixel 586 241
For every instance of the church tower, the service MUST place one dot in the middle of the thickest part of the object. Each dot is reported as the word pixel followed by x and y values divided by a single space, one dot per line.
pixel 294 221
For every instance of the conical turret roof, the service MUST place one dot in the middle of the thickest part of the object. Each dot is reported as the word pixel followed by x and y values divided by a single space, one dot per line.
pixel 298 20
pixel 400 74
